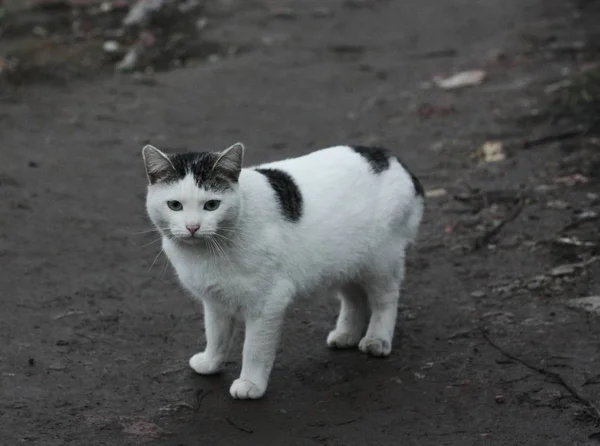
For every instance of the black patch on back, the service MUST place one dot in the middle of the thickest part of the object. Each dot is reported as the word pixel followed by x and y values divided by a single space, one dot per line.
pixel 377 157
pixel 287 193
pixel 416 183
pixel 202 166
pixel 379 161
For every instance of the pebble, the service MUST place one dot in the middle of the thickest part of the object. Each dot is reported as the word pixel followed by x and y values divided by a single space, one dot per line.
pixel 111 46
pixel 500 399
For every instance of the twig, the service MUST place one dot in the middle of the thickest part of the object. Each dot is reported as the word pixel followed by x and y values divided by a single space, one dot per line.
pixel 343 423
pixel 593 410
pixel 529 143
pixel 580 221
pixel 248 431
pixel 200 395
pixel 434 54
pixel 484 239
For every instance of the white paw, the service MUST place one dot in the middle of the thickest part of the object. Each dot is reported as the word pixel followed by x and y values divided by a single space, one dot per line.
pixel 375 346
pixel 339 339
pixel 246 390
pixel 205 365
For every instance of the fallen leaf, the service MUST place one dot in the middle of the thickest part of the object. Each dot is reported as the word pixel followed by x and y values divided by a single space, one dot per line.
pixel 435 193
pixel 572 180
pixel 493 151
pixel 460 80
pixel 590 304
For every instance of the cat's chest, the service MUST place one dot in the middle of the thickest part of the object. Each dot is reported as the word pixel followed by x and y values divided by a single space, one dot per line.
pixel 223 280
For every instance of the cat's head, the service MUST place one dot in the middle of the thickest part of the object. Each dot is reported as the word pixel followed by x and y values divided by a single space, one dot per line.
pixel 193 195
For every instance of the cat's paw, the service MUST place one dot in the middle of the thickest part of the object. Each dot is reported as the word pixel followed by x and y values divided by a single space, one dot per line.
pixel 375 346
pixel 339 339
pixel 205 365
pixel 246 390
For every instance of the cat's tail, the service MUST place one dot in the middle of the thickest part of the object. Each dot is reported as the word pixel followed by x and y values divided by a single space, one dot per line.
pixel 413 218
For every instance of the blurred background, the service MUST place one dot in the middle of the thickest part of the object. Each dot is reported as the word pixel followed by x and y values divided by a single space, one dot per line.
pixel 495 106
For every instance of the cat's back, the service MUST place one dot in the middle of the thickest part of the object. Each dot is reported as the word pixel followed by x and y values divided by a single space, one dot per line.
pixel 339 171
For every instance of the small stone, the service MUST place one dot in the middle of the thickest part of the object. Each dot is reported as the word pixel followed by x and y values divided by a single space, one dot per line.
pixel 500 399
pixel 111 46
pixel 478 294
pixel 31 361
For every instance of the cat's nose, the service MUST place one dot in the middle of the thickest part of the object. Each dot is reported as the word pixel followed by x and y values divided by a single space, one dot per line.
pixel 193 228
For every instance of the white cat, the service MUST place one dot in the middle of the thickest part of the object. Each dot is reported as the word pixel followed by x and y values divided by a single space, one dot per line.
pixel 247 241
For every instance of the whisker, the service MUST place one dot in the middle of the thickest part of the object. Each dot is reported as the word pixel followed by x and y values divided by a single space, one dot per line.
pixel 229 240
pixel 155 259
pixel 226 257
pixel 150 243
pixel 165 268
pixel 145 231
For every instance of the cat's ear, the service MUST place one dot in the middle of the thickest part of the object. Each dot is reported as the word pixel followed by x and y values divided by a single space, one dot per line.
pixel 158 165
pixel 230 160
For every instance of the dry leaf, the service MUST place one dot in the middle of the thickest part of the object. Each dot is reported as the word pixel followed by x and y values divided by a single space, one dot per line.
pixel 435 193
pixel 493 151
pixel 460 80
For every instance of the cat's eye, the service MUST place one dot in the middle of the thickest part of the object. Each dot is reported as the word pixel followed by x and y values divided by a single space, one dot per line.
pixel 212 205
pixel 174 205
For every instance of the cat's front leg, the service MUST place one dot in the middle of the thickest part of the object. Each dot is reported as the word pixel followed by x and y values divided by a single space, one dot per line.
pixel 260 346
pixel 219 326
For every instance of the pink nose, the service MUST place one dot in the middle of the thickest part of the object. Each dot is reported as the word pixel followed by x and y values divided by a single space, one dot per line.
pixel 193 228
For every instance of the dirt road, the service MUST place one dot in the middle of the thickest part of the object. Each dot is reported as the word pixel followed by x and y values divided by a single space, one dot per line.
pixel 96 332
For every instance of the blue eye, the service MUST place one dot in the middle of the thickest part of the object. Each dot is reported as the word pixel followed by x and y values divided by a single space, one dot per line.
pixel 174 205
pixel 212 205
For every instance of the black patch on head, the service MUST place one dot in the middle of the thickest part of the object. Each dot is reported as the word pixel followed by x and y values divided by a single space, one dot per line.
pixel 287 193
pixel 377 157
pixel 416 183
pixel 202 166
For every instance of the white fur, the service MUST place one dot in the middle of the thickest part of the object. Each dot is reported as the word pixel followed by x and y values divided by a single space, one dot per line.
pixel 350 241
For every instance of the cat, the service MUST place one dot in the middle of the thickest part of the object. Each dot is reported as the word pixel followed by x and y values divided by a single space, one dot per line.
pixel 248 241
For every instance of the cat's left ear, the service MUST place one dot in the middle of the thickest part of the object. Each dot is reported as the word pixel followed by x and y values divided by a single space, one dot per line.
pixel 231 159
pixel 158 165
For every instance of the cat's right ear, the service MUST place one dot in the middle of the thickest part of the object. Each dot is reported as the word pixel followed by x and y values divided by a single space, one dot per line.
pixel 158 165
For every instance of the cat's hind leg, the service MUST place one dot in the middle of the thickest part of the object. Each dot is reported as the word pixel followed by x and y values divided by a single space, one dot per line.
pixel 382 285
pixel 353 317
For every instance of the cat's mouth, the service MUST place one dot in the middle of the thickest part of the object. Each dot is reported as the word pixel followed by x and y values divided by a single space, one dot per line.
pixel 190 239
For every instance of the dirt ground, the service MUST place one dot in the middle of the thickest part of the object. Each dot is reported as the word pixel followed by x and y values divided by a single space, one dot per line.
pixel 96 332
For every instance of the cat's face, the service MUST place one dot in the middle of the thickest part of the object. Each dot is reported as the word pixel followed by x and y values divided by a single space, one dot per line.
pixel 191 196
